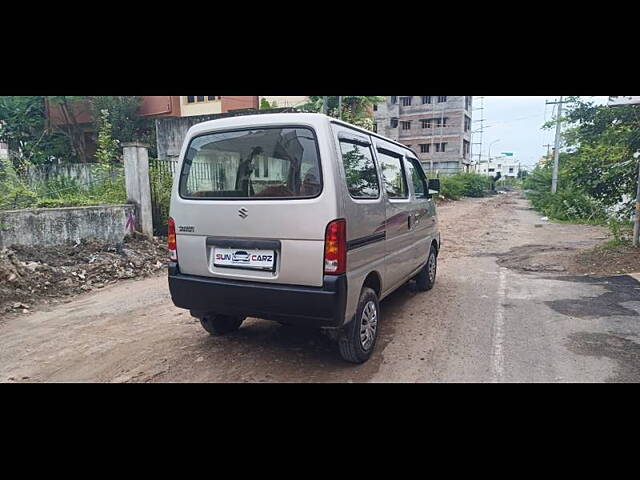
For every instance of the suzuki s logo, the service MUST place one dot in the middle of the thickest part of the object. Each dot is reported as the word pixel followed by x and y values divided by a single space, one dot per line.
pixel 243 212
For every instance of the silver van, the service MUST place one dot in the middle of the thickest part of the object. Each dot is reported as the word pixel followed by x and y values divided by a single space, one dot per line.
pixel 298 218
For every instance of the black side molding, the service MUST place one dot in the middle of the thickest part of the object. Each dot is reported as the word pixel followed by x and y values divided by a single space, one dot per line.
pixel 369 239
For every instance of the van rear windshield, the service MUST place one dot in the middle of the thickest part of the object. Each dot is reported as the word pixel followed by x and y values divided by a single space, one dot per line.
pixel 246 164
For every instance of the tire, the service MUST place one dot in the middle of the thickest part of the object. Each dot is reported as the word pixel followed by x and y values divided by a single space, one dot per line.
pixel 218 325
pixel 357 339
pixel 427 276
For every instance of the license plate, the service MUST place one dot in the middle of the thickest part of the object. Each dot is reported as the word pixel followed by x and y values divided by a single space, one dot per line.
pixel 254 259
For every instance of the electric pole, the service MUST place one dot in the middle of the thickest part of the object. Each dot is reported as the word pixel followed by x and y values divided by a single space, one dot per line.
pixel 480 130
pixel 556 150
pixel 548 145
pixel 340 108
pixel 325 106
pixel 636 218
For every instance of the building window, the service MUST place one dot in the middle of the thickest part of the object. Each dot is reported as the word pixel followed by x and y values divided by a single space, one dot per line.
pixel 467 123
pixel 394 100
pixel 394 123
pixel 426 100
pixel 202 99
pixel 441 122
pixel 467 103
pixel 406 101
pixel 375 107
pixel 492 170
pixel 441 147
pixel 426 123
pixel 465 148
pixel 425 147
pixel 510 169
pixel 442 99
pixel 405 125
pixel 375 128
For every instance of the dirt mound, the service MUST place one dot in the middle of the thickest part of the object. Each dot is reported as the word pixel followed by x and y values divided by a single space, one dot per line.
pixel 608 261
pixel 32 274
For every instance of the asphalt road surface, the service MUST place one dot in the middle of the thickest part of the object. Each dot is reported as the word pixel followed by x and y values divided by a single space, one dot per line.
pixel 493 316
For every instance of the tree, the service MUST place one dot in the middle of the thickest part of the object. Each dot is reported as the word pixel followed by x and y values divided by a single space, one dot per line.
pixel 356 109
pixel 126 124
pixel 71 126
pixel 597 172
pixel 23 126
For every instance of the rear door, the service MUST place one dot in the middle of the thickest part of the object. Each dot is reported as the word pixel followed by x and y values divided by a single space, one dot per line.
pixel 251 204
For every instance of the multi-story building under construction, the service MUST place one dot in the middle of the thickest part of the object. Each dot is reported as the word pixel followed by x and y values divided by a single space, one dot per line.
pixel 438 129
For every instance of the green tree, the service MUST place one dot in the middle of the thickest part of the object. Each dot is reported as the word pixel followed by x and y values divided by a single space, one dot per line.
pixel 597 173
pixel 126 124
pixel 23 127
pixel 71 127
pixel 357 110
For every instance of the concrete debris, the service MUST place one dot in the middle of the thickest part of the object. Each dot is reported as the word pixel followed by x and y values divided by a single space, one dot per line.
pixel 29 274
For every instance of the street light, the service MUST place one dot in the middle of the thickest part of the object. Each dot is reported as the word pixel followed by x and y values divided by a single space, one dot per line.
pixel 489 161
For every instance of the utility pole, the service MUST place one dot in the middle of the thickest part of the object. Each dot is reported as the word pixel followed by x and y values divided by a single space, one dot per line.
pixel 636 223
pixel 481 129
pixel 548 145
pixel 340 108
pixel 556 150
pixel 325 106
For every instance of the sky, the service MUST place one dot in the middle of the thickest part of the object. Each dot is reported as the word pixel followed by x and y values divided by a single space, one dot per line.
pixel 513 124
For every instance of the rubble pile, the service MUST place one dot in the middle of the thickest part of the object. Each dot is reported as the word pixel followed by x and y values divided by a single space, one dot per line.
pixel 30 274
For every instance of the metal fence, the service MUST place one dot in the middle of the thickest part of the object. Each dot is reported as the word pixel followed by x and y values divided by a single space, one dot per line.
pixel 161 173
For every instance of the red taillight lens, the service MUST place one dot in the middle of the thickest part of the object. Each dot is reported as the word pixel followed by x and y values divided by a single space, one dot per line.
pixel 335 248
pixel 172 244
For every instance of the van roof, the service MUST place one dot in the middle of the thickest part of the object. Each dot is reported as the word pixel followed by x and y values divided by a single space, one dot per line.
pixel 282 118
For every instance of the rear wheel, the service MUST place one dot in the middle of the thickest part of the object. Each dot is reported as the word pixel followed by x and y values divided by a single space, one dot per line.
pixel 358 338
pixel 427 276
pixel 220 324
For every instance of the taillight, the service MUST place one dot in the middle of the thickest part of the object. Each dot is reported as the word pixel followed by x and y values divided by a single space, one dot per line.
pixel 172 244
pixel 335 248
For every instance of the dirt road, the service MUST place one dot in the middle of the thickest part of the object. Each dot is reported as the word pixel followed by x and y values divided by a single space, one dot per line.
pixel 507 307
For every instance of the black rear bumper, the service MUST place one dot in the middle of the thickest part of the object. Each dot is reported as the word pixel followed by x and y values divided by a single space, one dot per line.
pixel 314 306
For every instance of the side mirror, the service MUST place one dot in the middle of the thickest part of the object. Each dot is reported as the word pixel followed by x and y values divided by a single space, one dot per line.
pixel 434 185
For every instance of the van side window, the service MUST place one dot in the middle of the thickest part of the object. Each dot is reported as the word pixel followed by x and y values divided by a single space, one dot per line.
pixel 395 183
pixel 360 170
pixel 418 177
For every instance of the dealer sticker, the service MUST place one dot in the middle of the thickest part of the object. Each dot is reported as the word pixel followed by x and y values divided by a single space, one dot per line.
pixel 255 259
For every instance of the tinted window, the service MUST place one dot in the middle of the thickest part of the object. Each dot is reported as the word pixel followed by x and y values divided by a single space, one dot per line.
pixel 261 163
pixel 393 175
pixel 418 178
pixel 360 170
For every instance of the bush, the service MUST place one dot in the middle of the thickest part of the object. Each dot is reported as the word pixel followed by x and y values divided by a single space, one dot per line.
pixel 464 185
pixel 568 205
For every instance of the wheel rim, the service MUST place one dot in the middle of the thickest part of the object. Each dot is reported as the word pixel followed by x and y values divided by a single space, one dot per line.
pixel 432 268
pixel 368 325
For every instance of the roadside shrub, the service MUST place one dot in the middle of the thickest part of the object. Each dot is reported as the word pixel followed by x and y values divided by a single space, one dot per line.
pixel 464 185
pixel 451 187
pixel 568 205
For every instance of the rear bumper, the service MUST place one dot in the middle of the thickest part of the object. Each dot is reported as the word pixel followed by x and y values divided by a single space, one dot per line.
pixel 314 306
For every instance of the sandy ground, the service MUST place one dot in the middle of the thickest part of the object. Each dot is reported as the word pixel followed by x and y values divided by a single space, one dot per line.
pixel 508 306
